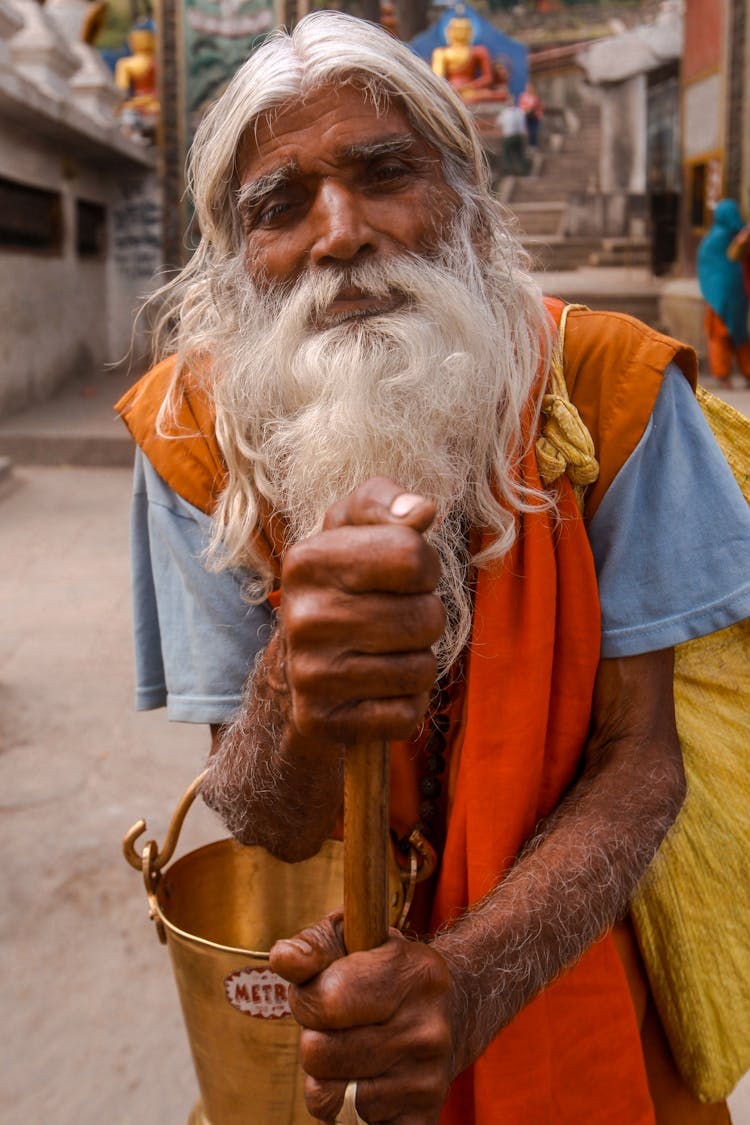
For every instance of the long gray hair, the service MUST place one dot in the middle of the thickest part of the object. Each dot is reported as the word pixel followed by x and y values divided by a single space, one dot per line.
pixel 325 48
pixel 201 314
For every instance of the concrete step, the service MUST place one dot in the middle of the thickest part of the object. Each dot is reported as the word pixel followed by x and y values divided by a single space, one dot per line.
pixel 77 427
pixel 545 189
pixel 589 119
pixel 537 219
pixel 556 167
pixel 633 291
pixel 559 172
pixel 566 252
pixel 580 169
pixel 623 252
pixel 81 450
pixel 561 252
pixel 553 182
pixel 643 306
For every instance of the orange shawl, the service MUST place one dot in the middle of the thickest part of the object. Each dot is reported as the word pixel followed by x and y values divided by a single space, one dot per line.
pixel 532 665
pixel 573 1055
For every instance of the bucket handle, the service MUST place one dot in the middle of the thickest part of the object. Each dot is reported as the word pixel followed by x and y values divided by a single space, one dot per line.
pixel 160 858
pixel 151 860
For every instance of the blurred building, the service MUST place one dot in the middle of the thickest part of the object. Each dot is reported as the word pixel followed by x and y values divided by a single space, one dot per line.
pixel 79 212
pixel 635 75
pixel 714 143
pixel 606 190
pixel 287 12
pixel 716 114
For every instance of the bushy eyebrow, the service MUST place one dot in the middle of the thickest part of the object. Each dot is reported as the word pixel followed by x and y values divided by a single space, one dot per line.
pixel 374 150
pixel 253 193
pixel 407 144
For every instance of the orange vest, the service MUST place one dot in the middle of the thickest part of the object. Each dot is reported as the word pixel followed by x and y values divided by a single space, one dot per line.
pixel 572 1056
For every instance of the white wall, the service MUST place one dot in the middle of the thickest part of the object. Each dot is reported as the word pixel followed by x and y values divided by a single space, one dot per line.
pixel 63 314
pixel 623 153
pixel 134 260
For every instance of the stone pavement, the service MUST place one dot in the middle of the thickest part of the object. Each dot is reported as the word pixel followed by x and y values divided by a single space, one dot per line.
pixel 76 427
pixel 91 1021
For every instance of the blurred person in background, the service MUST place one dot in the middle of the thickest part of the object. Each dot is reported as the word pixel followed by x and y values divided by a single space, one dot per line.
pixel 722 283
pixel 531 105
pixel 512 122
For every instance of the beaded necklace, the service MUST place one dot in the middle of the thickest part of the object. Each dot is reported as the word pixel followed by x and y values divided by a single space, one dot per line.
pixel 433 753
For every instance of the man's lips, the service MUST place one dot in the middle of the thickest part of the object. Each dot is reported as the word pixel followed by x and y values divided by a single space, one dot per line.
pixel 351 302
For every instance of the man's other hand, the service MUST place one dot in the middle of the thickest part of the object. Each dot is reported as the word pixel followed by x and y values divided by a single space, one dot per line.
pixel 381 1018
pixel 360 615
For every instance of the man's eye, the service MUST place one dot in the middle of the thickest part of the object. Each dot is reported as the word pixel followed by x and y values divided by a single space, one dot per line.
pixel 270 213
pixel 386 173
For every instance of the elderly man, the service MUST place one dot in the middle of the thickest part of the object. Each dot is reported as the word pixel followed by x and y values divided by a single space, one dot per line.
pixel 339 479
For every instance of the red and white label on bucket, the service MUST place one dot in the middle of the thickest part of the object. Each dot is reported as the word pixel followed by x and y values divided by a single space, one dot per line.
pixel 259 993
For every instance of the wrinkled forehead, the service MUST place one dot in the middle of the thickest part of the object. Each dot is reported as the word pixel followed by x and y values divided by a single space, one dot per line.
pixel 365 112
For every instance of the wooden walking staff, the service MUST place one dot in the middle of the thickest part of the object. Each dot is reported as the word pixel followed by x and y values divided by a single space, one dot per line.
pixel 366 843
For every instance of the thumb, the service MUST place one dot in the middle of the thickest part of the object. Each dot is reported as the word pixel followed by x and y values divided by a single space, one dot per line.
pixel 378 501
pixel 300 958
pixel 415 511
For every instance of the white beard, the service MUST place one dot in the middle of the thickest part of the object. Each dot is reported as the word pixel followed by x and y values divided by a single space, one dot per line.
pixel 305 415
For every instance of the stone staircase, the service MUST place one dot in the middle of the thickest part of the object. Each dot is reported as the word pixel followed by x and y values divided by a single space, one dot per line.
pixel 567 168
pixel 633 291
pixel 559 251
pixel 547 205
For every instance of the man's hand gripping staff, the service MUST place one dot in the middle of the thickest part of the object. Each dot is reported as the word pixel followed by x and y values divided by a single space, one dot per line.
pixel 359 618
pixel 351 660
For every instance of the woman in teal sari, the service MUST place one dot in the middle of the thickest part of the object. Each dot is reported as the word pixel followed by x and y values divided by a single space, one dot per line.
pixel 722 285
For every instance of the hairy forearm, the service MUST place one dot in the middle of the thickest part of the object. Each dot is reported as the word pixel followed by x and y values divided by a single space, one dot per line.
pixel 573 880
pixel 271 785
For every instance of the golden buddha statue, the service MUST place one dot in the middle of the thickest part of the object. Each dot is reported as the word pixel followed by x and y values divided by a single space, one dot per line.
pixel 465 64
pixel 135 76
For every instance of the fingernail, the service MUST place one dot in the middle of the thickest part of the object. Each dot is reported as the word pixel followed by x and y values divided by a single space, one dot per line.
pixel 404 503
pixel 299 944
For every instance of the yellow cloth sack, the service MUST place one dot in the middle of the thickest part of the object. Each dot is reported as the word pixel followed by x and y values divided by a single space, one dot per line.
pixel 692 909
pixel 691 912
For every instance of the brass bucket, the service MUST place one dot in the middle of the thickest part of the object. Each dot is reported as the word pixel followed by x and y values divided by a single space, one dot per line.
pixel 219 909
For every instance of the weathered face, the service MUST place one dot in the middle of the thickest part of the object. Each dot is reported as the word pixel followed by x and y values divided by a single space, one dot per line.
pixel 332 183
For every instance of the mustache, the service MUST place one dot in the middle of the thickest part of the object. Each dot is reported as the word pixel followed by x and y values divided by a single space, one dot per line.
pixel 402 280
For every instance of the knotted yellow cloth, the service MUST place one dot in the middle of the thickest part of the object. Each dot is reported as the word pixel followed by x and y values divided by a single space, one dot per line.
pixel 565 445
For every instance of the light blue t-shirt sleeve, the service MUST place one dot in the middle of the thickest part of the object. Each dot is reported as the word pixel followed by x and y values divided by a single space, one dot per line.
pixel 195 636
pixel 671 538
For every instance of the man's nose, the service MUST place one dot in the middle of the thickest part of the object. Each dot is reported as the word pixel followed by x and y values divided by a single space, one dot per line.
pixel 342 231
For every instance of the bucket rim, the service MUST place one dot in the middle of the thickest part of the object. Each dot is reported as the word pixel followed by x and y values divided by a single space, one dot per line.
pixel 224 843
pixel 259 955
